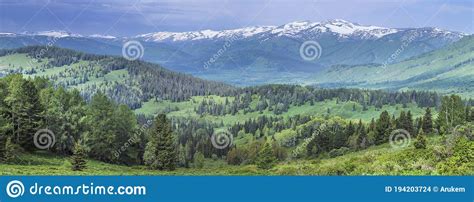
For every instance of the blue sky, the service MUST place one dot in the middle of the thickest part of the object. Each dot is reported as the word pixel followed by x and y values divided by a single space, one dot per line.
pixel 132 17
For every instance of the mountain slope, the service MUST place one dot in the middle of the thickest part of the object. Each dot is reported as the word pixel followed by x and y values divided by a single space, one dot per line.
pixel 128 82
pixel 447 70
pixel 257 55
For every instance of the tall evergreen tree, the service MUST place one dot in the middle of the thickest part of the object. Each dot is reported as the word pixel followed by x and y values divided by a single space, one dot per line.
pixel 427 123
pixel 160 150
pixel 100 138
pixel 361 136
pixel 125 126
pixel 265 158
pixel 24 110
pixel 408 125
pixel 78 159
pixel 382 128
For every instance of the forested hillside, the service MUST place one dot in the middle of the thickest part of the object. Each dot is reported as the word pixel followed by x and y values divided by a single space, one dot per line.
pixel 127 82
pixel 447 70
pixel 102 130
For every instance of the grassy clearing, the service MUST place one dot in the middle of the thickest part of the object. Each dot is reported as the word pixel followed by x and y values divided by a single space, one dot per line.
pixel 319 109
pixel 376 160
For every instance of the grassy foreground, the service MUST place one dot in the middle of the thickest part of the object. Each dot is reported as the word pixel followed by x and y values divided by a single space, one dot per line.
pixel 377 160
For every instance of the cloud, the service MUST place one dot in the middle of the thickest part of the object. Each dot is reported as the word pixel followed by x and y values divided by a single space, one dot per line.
pixel 130 17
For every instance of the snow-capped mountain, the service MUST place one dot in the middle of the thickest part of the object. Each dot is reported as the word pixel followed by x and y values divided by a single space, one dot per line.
pixel 102 36
pixel 57 34
pixel 54 33
pixel 204 34
pixel 339 28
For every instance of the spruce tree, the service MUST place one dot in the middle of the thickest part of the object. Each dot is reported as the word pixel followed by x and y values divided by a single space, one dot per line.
pixel 382 128
pixel 78 159
pixel 420 142
pixel 265 159
pixel 24 110
pixel 361 136
pixel 427 123
pixel 101 136
pixel 408 125
pixel 160 151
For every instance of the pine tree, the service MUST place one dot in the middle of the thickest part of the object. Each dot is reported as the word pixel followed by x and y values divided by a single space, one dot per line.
pixel 382 128
pixel 471 117
pixel 427 123
pixel 101 137
pixel 265 159
pixel 160 151
pixel 24 110
pixel 401 120
pixel 361 136
pixel 409 123
pixel 9 154
pixel 420 142
pixel 78 159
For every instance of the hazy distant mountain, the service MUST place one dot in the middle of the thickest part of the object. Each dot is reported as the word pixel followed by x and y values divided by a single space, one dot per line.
pixel 446 70
pixel 260 54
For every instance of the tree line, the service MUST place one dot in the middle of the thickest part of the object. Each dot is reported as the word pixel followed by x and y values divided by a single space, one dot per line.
pixel 96 129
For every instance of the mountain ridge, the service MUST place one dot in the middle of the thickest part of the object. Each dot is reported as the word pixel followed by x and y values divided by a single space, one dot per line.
pixel 258 55
pixel 342 27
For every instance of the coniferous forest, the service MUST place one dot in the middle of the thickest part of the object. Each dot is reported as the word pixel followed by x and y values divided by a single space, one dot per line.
pixel 88 114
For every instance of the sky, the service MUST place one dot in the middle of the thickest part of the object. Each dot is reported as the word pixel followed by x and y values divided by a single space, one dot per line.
pixel 133 17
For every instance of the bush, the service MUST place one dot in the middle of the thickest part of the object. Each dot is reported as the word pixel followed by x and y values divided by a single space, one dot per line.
pixel 198 160
pixel 420 142
pixel 78 160
pixel 338 152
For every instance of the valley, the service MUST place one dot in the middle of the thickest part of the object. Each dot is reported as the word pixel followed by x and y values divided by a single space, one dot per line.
pixel 95 105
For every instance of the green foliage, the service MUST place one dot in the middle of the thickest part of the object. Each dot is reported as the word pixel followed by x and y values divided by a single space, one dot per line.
pixel 101 138
pixel 427 121
pixel 265 159
pixel 198 160
pixel 451 113
pixel 338 152
pixel 123 81
pixel 382 128
pixel 420 142
pixel 160 150
pixel 24 110
pixel 235 156
pixel 9 155
pixel 78 159
pixel 446 70
pixel 461 162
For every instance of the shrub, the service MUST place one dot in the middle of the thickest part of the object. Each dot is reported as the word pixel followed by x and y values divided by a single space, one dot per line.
pixel 338 152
